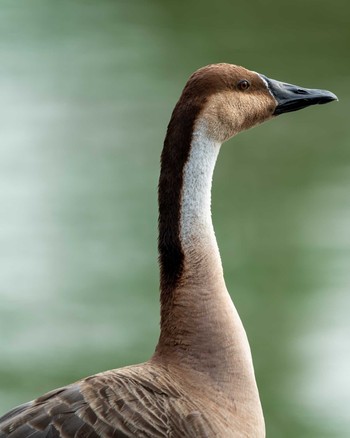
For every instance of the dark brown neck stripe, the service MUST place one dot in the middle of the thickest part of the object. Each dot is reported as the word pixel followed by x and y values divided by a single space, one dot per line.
pixel 175 153
pixel 201 85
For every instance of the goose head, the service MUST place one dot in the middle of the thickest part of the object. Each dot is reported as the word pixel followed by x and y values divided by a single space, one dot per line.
pixel 229 99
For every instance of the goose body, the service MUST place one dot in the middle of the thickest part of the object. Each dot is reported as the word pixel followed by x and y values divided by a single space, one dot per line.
pixel 200 381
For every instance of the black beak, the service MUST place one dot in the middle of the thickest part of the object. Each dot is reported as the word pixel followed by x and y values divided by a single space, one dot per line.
pixel 293 98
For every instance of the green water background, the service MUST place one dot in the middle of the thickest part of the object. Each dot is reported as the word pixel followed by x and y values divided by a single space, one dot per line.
pixel 86 91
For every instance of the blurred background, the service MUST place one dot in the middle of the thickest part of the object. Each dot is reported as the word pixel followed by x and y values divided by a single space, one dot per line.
pixel 86 91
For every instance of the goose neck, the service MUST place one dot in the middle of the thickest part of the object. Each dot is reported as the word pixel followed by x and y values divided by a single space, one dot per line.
pixel 200 327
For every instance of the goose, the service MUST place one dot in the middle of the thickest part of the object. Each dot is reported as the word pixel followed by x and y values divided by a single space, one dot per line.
pixel 200 381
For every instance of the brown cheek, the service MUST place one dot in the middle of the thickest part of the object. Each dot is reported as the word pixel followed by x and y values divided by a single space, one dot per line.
pixel 219 118
pixel 271 109
pixel 270 104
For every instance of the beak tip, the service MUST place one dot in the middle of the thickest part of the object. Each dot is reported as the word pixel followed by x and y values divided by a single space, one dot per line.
pixel 329 97
pixel 332 97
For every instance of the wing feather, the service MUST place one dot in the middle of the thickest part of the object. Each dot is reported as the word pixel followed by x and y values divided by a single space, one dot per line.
pixel 130 402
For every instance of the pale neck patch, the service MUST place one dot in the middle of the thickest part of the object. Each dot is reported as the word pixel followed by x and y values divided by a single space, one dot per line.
pixel 195 221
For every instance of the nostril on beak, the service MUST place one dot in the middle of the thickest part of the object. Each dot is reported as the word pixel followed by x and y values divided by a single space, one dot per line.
pixel 300 91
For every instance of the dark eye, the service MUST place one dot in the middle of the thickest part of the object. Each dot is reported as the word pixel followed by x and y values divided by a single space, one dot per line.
pixel 243 85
